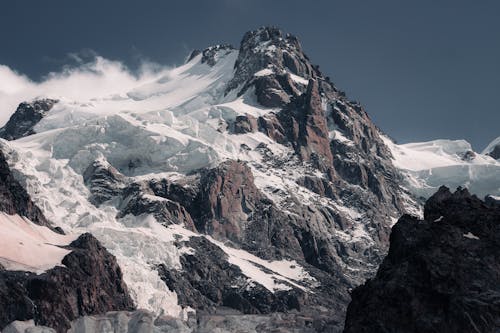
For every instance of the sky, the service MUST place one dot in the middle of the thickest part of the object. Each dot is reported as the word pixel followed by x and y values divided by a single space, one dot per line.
pixel 423 70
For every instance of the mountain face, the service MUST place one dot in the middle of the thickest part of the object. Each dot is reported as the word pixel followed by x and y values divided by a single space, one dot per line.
pixel 242 184
pixel 441 273
pixel 88 280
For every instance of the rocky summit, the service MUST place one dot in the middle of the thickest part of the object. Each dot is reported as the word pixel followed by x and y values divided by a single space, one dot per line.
pixel 441 273
pixel 240 191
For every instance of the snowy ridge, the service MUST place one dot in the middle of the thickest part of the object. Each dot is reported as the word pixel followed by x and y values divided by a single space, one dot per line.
pixel 428 165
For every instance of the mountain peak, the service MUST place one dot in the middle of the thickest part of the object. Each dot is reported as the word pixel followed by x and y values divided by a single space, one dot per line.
pixel 269 34
pixel 267 48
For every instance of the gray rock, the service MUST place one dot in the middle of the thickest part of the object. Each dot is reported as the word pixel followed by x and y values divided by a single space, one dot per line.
pixel 27 115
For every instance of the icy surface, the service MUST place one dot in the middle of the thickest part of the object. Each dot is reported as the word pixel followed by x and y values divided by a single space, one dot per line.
pixel 26 246
pixel 428 165
pixel 164 125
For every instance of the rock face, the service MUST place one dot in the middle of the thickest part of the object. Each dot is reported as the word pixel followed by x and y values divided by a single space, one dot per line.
pixel 90 282
pixel 495 152
pixel 207 281
pixel 27 115
pixel 104 181
pixel 15 200
pixel 441 273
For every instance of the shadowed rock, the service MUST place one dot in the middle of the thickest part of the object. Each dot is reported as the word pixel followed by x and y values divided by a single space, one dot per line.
pixel 27 115
pixel 441 273
pixel 90 282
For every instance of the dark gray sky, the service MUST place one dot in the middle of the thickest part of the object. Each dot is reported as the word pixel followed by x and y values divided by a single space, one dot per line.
pixel 423 69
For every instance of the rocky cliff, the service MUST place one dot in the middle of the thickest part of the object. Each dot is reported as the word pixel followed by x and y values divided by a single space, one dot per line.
pixel 441 273
pixel 90 282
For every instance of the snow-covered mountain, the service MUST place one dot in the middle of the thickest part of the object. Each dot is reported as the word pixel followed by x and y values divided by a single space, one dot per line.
pixel 243 179
pixel 453 163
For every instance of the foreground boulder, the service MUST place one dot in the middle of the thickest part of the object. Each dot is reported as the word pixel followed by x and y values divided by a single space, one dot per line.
pixel 442 274
pixel 90 282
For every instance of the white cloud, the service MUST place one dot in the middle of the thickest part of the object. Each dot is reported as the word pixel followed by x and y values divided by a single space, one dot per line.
pixel 99 78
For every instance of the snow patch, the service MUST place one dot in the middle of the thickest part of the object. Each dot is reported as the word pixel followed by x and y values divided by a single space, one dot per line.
pixel 470 235
pixel 26 246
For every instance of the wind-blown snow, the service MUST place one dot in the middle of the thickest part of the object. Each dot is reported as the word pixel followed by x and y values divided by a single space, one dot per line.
pixel 26 246
pixel 428 165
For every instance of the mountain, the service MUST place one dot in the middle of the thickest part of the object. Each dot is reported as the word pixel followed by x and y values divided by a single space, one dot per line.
pixel 441 273
pixel 241 185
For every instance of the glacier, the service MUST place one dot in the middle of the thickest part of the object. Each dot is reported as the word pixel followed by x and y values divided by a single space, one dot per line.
pixel 453 163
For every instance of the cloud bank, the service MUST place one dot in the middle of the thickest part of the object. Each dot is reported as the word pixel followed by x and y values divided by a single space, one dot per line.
pixel 98 78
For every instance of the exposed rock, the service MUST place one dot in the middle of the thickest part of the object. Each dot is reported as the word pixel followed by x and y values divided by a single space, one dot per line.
pixel 193 54
pixel 104 181
pixel 244 124
pixel 15 200
pixel 139 198
pixel 495 152
pixel 90 282
pixel 210 55
pixel 227 196
pixel 207 281
pixel 441 273
pixel 305 125
pixel 268 47
pixel 27 115
pixel 469 155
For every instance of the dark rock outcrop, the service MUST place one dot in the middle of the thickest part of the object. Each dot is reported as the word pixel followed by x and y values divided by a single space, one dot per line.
pixel 495 152
pixel 161 199
pixel 27 115
pixel 90 282
pixel 442 274
pixel 209 55
pixel 207 281
pixel 268 47
pixel 244 124
pixel 15 200
pixel 103 181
